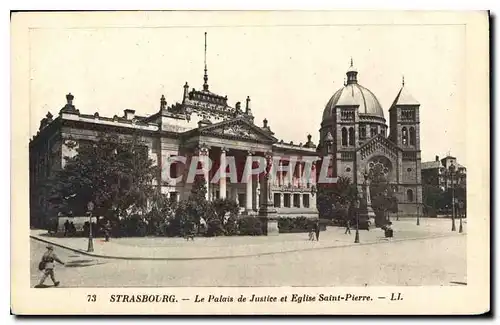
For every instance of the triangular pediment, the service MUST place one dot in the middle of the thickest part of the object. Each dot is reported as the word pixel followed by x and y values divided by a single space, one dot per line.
pixel 378 145
pixel 237 128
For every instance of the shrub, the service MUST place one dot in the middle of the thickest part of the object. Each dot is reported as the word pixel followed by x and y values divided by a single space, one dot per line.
pixel 214 228
pixel 323 223
pixel 294 225
pixel 250 226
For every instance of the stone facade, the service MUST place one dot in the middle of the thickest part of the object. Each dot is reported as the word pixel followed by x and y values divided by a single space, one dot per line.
pixel 354 132
pixel 202 125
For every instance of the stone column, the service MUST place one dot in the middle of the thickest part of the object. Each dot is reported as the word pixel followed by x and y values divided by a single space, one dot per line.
pixel 291 170
pixel 282 200
pixel 249 186
pixel 222 182
pixel 280 178
pixel 301 202
pixel 257 194
pixel 204 158
pixel 267 210
pixel 235 195
pixel 299 182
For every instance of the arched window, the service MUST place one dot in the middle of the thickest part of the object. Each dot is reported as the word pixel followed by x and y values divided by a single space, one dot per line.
pixel 404 132
pixel 409 196
pixel 412 136
pixel 362 132
pixel 344 136
pixel 351 136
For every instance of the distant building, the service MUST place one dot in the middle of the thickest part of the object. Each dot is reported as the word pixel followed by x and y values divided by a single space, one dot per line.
pixel 434 173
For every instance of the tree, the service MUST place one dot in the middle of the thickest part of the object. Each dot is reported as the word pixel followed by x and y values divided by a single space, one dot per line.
pixel 344 191
pixel 226 212
pixel 161 214
pixel 197 204
pixel 333 200
pixel 433 199
pixel 115 174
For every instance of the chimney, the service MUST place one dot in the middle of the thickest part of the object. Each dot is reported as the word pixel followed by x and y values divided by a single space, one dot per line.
pixel 437 158
pixel 129 114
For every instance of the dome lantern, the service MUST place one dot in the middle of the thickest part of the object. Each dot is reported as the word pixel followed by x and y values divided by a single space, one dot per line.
pixel 352 74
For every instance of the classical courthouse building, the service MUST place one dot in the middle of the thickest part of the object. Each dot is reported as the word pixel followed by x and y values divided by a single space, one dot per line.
pixel 202 124
pixel 353 131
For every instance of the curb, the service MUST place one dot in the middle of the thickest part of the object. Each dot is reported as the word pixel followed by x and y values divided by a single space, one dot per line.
pixel 131 258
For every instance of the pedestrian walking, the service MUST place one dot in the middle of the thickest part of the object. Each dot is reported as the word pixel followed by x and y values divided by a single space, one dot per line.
pixel 66 228
pixel 107 230
pixel 348 227
pixel 311 233
pixel 72 229
pixel 47 266
pixel 317 230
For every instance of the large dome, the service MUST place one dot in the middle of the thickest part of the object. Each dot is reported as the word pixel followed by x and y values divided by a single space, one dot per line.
pixel 354 94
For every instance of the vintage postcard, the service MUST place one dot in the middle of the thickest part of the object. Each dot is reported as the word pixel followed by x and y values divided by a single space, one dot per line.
pixel 250 162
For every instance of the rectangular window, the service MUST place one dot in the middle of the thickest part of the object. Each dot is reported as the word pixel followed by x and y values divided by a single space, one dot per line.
pixel 242 198
pixel 305 200
pixel 286 200
pixel 296 200
pixel 173 168
pixel 277 200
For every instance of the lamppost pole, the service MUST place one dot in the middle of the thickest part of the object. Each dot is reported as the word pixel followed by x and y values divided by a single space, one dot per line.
pixel 416 194
pixel 461 209
pixel 90 207
pixel 356 238
pixel 452 171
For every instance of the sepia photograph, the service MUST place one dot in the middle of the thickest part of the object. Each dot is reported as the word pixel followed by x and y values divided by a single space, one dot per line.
pixel 254 151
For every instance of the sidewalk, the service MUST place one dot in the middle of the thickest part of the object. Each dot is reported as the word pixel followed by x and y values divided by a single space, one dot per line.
pixel 164 248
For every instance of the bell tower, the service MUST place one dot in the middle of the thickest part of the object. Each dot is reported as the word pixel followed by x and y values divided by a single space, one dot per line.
pixel 404 116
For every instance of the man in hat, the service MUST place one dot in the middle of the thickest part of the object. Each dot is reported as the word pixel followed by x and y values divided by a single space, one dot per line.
pixel 48 260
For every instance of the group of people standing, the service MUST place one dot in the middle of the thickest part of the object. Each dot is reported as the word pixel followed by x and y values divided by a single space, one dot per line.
pixel 69 228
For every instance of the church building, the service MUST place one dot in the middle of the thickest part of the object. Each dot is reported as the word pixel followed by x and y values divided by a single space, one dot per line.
pixel 354 132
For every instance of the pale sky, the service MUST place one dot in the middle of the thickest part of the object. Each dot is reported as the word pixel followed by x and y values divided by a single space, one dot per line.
pixel 290 72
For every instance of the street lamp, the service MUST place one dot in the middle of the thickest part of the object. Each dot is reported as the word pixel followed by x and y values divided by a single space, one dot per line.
pixel 356 238
pixel 90 207
pixel 416 196
pixel 386 204
pixel 451 172
pixel 461 209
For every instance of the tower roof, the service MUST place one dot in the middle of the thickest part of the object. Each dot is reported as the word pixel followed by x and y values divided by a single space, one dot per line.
pixel 404 97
